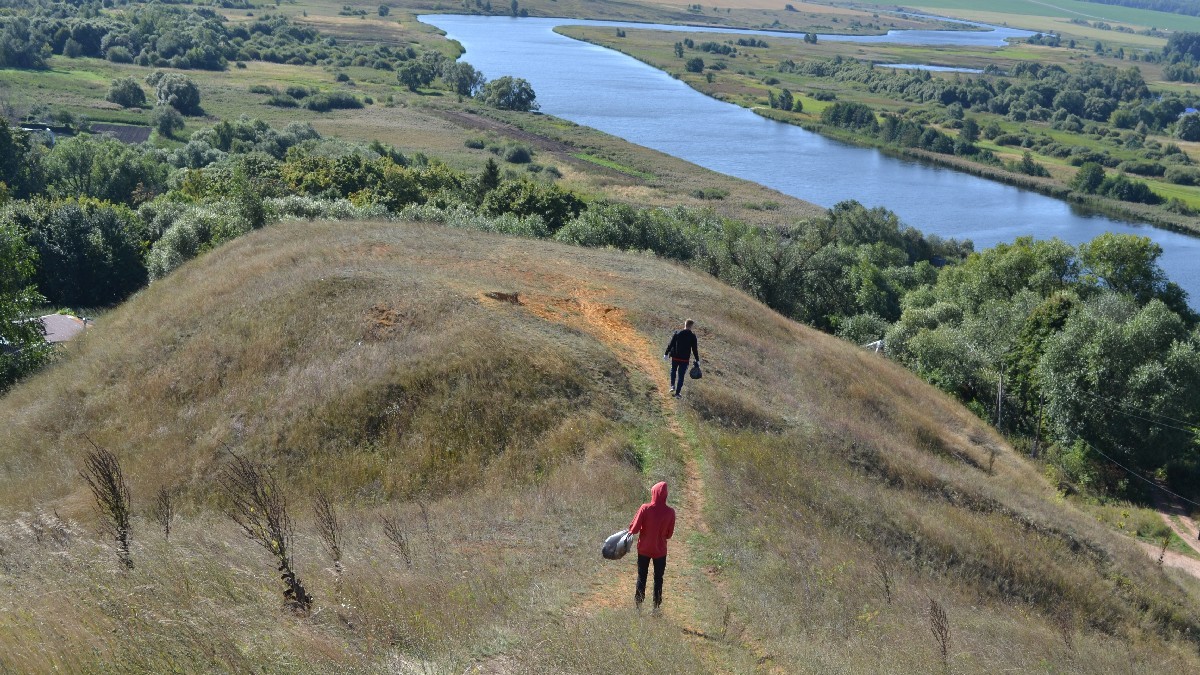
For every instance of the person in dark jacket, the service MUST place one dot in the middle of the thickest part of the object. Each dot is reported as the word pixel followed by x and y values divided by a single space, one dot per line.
pixel 682 346
pixel 654 524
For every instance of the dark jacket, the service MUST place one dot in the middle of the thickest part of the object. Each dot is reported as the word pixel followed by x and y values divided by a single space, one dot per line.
pixel 655 523
pixel 683 345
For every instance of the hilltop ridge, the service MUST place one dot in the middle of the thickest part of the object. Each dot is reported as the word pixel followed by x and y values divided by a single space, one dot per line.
pixel 503 400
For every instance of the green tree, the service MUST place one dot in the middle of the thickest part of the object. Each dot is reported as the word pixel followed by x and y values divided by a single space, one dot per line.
pixel 166 120
pixel 970 131
pixel 127 93
pixel 509 93
pixel 20 163
pixel 1089 178
pixel 101 167
pixel 463 78
pixel 1109 378
pixel 384 10
pixel 177 91
pixel 679 50
pixel 694 65
pixel 22 343
pixel 89 251
pixel 1188 128
pixel 414 74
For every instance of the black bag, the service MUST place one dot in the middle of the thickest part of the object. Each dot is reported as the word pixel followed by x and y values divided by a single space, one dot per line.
pixel 617 545
pixel 695 373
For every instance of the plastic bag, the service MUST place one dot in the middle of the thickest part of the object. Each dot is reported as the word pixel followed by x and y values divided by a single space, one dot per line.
pixel 695 373
pixel 617 545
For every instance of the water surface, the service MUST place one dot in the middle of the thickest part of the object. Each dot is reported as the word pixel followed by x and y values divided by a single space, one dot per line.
pixel 617 94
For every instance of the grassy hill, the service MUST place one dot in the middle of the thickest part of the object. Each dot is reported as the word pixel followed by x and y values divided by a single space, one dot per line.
pixel 830 503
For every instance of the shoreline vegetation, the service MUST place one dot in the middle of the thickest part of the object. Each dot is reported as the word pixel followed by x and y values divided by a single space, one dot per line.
pixel 748 86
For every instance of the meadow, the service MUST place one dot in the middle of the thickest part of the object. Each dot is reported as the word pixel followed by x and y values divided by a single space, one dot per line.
pixel 827 497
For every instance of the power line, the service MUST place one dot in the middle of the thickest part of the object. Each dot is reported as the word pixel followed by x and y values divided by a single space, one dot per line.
pixel 1115 408
pixel 1134 473
pixel 1141 410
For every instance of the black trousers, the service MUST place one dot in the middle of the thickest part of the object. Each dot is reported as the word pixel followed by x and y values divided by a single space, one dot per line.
pixel 660 566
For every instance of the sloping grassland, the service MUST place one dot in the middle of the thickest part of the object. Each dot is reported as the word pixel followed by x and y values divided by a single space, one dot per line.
pixel 831 504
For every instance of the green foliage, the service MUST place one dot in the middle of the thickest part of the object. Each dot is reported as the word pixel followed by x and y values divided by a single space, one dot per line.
pixel 1188 128
pixel 127 93
pixel 21 45
pixel 89 251
pixel 103 168
pixel 462 78
pixel 694 65
pixel 333 100
pixel 20 164
pixel 509 93
pixel 850 115
pixel 525 198
pixel 166 120
pixel 177 91
pixel 1089 178
pixel 414 74
pixel 22 345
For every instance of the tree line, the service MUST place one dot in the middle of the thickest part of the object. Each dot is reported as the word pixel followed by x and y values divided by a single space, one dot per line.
pixel 159 35
pixel 1059 331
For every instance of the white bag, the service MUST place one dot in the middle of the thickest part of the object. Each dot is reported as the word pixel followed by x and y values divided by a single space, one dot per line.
pixel 617 545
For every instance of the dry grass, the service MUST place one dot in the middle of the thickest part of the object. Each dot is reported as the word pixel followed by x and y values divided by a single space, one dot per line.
pixel 504 441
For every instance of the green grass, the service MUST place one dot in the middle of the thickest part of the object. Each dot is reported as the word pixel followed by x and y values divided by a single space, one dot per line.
pixel 614 165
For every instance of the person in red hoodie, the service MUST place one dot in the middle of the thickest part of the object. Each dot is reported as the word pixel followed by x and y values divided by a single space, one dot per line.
pixel 654 524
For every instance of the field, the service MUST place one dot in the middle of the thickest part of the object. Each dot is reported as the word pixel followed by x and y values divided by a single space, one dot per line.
pixel 827 498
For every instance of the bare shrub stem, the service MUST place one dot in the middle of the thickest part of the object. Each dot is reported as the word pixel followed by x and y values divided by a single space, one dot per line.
pixel 259 507
pixel 394 531
pixel 104 476
pixel 163 511
pixel 885 578
pixel 329 528
pixel 939 623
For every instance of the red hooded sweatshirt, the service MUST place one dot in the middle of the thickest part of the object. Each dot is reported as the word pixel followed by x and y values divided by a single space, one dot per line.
pixel 654 523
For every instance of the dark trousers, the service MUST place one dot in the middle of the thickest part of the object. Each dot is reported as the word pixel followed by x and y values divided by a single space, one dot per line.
pixel 678 375
pixel 660 566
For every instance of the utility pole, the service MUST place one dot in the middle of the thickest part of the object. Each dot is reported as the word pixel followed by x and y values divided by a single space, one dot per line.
pixel 1000 400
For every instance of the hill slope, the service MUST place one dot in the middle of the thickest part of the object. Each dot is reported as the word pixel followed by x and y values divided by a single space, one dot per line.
pixel 826 496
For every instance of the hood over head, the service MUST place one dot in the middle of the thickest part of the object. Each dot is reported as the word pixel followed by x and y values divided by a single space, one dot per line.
pixel 658 493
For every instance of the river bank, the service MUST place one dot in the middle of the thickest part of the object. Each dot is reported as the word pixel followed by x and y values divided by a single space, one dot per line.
pixel 742 95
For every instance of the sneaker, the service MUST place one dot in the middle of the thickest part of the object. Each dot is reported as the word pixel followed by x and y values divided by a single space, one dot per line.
pixel 676 395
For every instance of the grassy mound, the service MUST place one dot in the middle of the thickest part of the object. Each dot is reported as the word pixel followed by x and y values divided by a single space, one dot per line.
pixel 482 411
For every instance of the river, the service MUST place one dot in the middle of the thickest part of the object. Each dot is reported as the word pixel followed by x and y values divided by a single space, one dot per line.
pixel 617 94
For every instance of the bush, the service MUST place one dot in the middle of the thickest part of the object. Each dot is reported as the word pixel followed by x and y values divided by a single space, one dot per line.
pixel 282 101
pixel 326 101
pixel 177 91
pixel 166 120
pixel 119 54
pixel 1183 175
pixel 196 230
pixel 263 89
pixel 297 92
pixel 127 93
pixel 518 154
